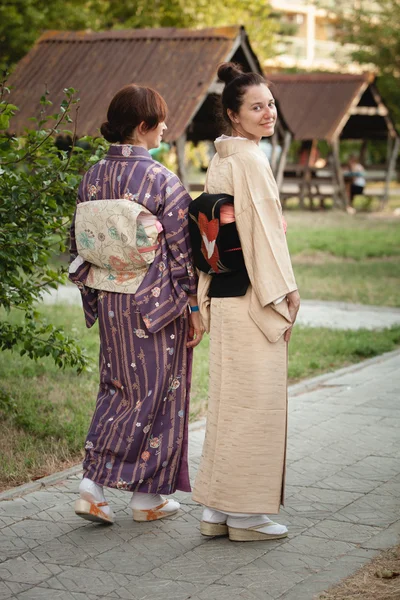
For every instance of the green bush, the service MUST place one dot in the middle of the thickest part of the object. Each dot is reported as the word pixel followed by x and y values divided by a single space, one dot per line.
pixel 38 187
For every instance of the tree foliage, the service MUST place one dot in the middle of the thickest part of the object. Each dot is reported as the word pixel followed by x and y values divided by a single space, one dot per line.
pixel 23 21
pixel 374 29
pixel 38 186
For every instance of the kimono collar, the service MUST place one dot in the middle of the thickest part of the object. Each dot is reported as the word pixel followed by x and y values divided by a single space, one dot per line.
pixel 225 146
pixel 128 151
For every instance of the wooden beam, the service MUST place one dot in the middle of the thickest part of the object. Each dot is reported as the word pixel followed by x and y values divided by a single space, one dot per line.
pixel 363 151
pixel 181 163
pixel 274 153
pixel 353 104
pixel 390 171
pixel 389 123
pixel 342 196
pixel 370 111
pixel 248 54
pixel 282 159
pixel 305 183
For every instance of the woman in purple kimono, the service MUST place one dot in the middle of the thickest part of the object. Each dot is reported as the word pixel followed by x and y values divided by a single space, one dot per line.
pixel 137 440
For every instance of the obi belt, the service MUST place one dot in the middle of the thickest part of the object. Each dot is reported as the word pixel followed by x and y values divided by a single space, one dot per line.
pixel 216 245
pixel 119 238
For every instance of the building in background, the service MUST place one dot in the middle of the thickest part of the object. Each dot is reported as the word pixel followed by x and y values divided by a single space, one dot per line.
pixel 310 39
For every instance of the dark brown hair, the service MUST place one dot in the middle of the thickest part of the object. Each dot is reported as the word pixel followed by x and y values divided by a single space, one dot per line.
pixel 236 83
pixel 132 105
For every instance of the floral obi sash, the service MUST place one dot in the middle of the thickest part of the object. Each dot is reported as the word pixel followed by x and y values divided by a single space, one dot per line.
pixel 119 238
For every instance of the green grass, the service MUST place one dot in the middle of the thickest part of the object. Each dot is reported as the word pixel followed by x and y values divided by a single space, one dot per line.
pixel 46 411
pixel 374 283
pixel 357 237
pixel 346 258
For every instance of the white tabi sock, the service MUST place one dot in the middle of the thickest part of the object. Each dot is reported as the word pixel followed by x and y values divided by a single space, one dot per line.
pixel 210 515
pixel 143 501
pixel 244 522
pixel 93 492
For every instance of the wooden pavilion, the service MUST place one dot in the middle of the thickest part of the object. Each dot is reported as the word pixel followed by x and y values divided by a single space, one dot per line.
pixel 333 107
pixel 180 63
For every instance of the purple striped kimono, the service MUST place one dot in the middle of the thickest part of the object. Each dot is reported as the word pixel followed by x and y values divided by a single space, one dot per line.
pixel 137 439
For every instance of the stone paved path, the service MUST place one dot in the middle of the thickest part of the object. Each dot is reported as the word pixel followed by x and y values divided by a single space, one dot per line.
pixel 343 490
pixel 313 313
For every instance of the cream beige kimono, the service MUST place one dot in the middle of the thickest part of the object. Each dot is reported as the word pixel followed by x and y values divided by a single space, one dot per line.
pixel 242 467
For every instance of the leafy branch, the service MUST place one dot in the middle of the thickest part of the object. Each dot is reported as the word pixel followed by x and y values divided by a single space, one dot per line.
pixel 38 188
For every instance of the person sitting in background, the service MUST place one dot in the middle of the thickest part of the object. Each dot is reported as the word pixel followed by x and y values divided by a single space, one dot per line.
pixel 355 176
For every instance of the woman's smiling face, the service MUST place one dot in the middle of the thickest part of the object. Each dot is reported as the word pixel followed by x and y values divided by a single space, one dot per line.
pixel 257 115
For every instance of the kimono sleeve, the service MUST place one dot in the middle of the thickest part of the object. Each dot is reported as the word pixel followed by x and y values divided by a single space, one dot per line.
pixel 259 222
pixel 77 273
pixel 176 228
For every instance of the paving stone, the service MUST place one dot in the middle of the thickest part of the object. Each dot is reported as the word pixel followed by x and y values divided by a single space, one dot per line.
pixel 60 552
pixel 304 564
pixel 46 499
pixel 348 484
pixel 13 546
pixel 140 555
pixel 386 538
pixel 17 588
pixel 297 523
pixel 309 465
pixel 259 579
pixel 345 532
pixel 331 455
pixel 374 468
pixel 294 477
pixel 6 521
pixel 372 509
pixel 83 580
pixel 315 546
pixel 338 569
pixel 149 587
pixel 19 508
pixel 308 499
pixel 391 487
pixel 343 486
pixel 64 514
pixel 211 561
pixel 371 411
pixel 25 570
pixel 223 592
pixel 5 592
pixel 97 539
pixel 40 593
pixel 40 531
pixel 300 447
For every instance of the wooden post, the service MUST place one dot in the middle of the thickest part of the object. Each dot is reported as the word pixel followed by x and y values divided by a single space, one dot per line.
pixel 363 152
pixel 282 159
pixel 390 170
pixel 274 143
pixel 180 156
pixel 339 174
pixel 306 180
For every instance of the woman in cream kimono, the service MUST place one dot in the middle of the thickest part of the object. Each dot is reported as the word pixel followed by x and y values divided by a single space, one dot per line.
pixel 242 470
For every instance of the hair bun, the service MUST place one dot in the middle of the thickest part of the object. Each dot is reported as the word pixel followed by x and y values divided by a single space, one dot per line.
pixel 110 134
pixel 228 71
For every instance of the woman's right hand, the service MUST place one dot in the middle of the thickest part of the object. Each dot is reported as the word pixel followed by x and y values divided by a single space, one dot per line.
pixel 293 300
pixel 196 330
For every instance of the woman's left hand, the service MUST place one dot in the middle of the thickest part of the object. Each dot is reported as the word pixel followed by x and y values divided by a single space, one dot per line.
pixel 196 330
pixel 293 300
